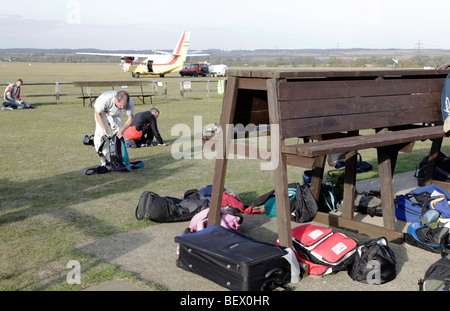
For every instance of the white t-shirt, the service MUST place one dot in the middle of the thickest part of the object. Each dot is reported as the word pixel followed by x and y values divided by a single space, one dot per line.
pixel 105 104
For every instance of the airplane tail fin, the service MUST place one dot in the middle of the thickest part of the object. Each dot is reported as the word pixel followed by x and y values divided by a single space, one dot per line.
pixel 182 46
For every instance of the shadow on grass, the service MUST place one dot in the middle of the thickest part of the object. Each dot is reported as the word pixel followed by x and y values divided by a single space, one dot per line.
pixel 58 195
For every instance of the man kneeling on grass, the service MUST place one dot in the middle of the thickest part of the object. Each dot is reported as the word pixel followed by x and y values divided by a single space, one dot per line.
pixel 143 129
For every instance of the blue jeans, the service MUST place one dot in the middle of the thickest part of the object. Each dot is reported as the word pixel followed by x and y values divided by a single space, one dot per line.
pixel 13 105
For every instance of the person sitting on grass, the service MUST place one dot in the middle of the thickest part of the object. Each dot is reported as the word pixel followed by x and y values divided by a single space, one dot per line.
pixel 143 129
pixel 12 97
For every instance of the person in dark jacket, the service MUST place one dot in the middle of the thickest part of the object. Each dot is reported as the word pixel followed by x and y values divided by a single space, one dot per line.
pixel 144 128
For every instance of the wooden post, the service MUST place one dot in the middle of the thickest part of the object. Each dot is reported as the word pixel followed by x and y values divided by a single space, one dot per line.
pixel 58 99
pixel 182 88
pixel 349 184
pixel 143 97
pixel 154 87
pixel 226 122
pixel 432 159
pixel 280 170
pixel 89 94
pixel 165 90
pixel 385 156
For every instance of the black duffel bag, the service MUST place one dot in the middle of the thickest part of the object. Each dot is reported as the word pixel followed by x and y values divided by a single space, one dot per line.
pixel 152 206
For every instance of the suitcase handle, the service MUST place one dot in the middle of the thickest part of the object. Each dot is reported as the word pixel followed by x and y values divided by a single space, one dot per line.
pixel 273 272
pixel 271 282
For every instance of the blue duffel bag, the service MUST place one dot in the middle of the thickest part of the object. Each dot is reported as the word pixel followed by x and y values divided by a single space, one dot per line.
pixel 409 207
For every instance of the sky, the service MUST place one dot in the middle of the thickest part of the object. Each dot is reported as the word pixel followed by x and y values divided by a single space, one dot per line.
pixel 225 24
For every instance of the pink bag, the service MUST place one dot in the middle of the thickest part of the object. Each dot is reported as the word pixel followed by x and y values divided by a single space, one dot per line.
pixel 227 220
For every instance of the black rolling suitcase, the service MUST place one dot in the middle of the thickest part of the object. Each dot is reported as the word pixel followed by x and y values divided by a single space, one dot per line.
pixel 233 260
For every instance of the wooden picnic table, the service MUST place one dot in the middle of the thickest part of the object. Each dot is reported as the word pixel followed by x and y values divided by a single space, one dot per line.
pixel 87 94
pixel 332 111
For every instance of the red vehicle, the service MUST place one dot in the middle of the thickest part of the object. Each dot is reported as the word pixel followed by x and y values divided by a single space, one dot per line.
pixel 195 70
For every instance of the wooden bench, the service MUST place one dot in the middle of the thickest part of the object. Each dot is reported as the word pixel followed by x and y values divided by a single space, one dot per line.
pixel 334 112
pixel 89 95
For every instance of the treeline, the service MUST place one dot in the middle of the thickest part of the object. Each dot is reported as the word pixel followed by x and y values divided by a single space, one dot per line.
pixel 417 61
pixel 257 58
pixel 43 57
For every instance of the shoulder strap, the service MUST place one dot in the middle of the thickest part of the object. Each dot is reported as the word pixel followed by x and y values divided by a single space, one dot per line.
pixel 100 148
pixel 137 164
pixel 99 170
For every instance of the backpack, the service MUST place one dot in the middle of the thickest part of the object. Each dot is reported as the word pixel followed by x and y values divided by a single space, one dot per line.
pixel 327 199
pixel 152 206
pixel 88 140
pixel 304 207
pixel 411 206
pixel 374 263
pixel 119 159
pixel 369 203
pixel 269 201
pixel 270 207
pixel 435 240
pixel 336 179
pixel 361 166
pixel 207 190
pixel 227 220
pixel 334 159
pixel 322 250
pixel 231 201
pixel 441 171
pixel 437 276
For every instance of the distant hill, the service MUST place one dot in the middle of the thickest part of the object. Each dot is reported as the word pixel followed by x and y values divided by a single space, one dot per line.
pixel 355 52
pixel 356 57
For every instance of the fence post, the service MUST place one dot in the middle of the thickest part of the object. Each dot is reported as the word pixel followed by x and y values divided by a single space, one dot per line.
pixel 165 90
pixel 154 87
pixel 182 88
pixel 58 97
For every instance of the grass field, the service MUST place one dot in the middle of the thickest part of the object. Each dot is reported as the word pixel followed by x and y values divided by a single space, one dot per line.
pixel 48 205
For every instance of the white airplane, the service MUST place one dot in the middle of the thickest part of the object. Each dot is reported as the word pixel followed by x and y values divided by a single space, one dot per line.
pixel 155 64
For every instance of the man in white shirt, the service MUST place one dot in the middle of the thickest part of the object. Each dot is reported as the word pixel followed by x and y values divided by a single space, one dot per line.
pixel 108 118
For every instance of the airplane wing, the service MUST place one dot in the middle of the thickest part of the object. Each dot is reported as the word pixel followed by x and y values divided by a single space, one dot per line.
pixel 119 55
pixel 168 53
pixel 137 55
